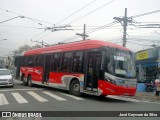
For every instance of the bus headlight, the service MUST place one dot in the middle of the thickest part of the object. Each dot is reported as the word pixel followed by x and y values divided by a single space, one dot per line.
pixel 110 80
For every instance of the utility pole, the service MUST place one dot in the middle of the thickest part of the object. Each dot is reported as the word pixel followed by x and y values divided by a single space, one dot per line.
pixel 83 35
pixel 124 22
pixel 84 32
pixel 42 43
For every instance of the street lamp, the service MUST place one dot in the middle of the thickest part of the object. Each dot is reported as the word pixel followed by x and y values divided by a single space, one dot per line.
pixel 3 39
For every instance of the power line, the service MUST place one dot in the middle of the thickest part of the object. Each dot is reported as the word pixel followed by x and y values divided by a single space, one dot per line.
pixel 102 27
pixel 135 16
pixel 37 35
pixel 138 43
pixel 34 20
pixel 92 11
pixel 91 31
pixel 44 36
pixel 76 12
pixel 12 19
pixel 20 26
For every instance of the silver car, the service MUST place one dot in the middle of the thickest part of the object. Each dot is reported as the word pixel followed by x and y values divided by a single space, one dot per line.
pixel 6 78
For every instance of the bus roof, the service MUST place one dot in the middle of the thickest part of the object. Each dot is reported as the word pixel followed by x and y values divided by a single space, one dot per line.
pixel 80 45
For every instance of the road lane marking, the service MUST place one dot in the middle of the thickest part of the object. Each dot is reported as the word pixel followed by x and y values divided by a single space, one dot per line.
pixel 19 89
pixel 3 100
pixel 37 97
pixel 55 96
pixel 74 97
pixel 19 98
pixel 123 98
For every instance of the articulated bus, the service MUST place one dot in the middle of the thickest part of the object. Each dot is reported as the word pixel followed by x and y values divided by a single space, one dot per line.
pixel 90 66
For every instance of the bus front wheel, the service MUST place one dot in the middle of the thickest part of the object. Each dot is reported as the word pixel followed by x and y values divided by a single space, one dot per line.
pixel 75 88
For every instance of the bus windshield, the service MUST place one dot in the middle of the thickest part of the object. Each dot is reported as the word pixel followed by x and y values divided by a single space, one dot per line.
pixel 120 63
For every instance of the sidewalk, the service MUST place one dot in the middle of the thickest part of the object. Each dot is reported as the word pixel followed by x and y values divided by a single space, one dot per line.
pixel 146 96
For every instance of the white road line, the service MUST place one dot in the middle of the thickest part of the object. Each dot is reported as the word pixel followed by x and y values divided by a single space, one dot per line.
pixel 121 98
pixel 55 96
pixel 3 100
pixel 74 97
pixel 19 89
pixel 37 97
pixel 19 98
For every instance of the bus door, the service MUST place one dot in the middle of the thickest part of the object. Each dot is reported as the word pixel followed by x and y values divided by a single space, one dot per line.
pixel 47 64
pixel 92 70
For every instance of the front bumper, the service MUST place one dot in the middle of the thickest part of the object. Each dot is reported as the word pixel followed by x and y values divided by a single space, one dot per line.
pixel 6 83
pixel 111 89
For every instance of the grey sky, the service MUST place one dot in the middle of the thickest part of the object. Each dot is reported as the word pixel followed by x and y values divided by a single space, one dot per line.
pixel 18 31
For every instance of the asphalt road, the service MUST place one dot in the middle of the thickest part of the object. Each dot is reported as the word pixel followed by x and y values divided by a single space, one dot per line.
pixel 38 98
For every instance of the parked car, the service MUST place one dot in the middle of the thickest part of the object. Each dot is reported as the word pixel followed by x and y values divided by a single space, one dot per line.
pixel 6 78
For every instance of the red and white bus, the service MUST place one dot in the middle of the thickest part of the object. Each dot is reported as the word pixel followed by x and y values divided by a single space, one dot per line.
pixel 92 67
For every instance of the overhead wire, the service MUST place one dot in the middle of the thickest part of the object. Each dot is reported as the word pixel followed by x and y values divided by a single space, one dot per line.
pixel 33 19
pixel 138 43
pixel 92 11
pixel 91 31
pixel 148 13
pixel 76 11
pixel 21 26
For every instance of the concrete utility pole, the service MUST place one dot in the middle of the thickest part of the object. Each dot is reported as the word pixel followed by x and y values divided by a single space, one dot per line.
pixel 83 35
pixel 124 21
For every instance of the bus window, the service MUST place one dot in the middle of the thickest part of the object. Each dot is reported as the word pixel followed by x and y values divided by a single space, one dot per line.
pixel 78 62
pixel 25 61
pixel 39 60
pixel 66 62
pixel 31 60
pixel 55 62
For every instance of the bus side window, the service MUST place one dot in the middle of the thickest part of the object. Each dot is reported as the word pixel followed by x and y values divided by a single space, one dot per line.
pixel 66 62
pixel 39 60
pixel 55 62
pixel 25 61
pixel 31 61
pixel 78 62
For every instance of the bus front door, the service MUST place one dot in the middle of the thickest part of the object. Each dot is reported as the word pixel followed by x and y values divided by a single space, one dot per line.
pixel 47 64
pixel 92 71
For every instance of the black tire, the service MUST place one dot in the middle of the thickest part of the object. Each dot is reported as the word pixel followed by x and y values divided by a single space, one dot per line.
pixel 23 81
pixel 75 88
pixel 29 81
pixel 102 96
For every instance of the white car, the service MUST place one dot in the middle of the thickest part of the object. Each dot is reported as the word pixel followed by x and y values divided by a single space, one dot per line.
pixel 6 78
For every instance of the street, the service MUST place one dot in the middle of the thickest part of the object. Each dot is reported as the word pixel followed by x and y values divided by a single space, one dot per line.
pixel 38 98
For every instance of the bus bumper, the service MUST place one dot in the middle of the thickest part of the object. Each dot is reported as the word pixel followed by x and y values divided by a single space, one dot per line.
pixel 107 88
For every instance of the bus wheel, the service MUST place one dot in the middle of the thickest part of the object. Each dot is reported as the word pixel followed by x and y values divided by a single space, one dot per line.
pixel 75 88
pixel 29 81
pixel 102 96
pixel 23 81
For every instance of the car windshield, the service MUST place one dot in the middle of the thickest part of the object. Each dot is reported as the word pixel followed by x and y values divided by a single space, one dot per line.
pixel 120 63
pixel 4 72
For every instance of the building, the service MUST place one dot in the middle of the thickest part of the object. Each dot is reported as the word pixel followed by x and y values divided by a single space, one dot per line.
pixel 148 64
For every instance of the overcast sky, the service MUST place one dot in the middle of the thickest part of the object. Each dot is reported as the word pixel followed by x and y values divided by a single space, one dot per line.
pixel 94 13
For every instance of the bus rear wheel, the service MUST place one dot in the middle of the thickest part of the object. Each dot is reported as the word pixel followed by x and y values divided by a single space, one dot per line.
pixel 29 81
pixel 75 88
